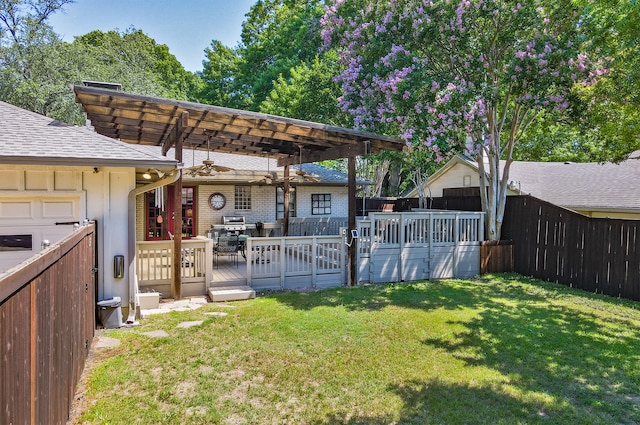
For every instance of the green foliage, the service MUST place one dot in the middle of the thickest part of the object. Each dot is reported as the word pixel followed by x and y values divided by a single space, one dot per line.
pixel 309 94
pixel 219 77
pixel 605 118
pixel 277 36
pixel 135 60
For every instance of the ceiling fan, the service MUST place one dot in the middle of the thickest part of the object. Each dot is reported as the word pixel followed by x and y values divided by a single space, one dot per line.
pixel 208 167
pixel 301 174
pixel 269 177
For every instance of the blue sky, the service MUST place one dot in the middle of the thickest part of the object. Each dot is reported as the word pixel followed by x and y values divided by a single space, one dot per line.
pixel 187 26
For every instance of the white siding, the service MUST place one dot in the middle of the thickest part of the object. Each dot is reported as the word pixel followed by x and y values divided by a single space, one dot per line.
pixel 100 196
pixel 455 177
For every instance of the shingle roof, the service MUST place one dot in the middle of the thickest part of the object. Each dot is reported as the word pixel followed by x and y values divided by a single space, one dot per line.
pixel 580 186
pixel 30 138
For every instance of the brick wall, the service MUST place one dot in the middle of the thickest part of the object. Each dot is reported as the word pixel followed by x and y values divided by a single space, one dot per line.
pixel 339 200
pixel 263 205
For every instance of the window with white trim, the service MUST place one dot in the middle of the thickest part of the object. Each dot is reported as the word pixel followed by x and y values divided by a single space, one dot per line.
pixel 320 204
pixel 242 198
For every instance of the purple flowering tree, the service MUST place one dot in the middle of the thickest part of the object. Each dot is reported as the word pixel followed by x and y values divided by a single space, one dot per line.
pixel 458 75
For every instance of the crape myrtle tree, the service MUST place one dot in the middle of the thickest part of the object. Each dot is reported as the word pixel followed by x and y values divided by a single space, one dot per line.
pixel 453 76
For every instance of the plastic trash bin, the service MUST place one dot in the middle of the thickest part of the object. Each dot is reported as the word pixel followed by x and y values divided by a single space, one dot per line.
pixel 110 313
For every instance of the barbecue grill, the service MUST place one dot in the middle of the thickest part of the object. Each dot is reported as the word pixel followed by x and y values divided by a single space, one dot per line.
pixel 234 223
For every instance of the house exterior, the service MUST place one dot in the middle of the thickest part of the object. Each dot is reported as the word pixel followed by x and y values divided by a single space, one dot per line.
pixel 593 189
pixel 243 191
pixel 54 175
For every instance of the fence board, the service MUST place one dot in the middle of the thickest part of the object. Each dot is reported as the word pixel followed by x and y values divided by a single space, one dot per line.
pixel 555 244
pixel 48 320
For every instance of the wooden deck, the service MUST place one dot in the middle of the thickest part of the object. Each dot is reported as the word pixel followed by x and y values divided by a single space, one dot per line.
pixel 229 274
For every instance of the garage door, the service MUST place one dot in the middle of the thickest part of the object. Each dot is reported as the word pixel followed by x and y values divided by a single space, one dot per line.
pixel 26 221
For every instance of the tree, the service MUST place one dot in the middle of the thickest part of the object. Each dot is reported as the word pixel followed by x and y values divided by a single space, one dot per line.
pixel 277 36
pixel 603 119
pixel 135 60
pixel 309 93
pixel 220 69
pixel 32 58
pixel 459 75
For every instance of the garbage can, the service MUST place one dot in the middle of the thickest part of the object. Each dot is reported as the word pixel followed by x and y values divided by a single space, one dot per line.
pixel 110 313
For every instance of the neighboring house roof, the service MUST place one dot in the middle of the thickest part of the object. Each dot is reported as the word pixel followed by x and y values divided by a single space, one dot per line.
pixel 248 168
pixel 579 186
pixel 30 138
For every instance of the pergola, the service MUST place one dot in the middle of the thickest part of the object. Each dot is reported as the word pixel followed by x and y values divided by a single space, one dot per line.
pixel 156 121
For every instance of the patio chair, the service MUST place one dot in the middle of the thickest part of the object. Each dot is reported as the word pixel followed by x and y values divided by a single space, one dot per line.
pixel 227 245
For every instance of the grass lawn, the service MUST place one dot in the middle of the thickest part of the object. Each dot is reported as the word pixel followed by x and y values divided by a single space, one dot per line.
pixel 503 349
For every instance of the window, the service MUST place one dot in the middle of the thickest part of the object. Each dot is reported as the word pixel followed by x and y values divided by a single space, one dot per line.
pixel 280 202
pixel 243 198
pixel 321 204
pixel 16 242
pixel 188 212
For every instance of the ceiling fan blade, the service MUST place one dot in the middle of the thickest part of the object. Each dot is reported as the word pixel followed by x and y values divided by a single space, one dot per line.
pixel 221 168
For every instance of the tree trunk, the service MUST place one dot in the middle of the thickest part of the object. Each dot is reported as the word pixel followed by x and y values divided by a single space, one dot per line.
pixel 394 178
pixel 380 173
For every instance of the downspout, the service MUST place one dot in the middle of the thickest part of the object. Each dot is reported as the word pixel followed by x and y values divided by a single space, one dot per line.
pixel 131 214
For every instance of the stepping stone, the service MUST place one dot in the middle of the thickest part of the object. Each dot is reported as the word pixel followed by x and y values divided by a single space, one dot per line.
pixel 106 342
pixel 156 334
pixel 190 324
pixel 217 313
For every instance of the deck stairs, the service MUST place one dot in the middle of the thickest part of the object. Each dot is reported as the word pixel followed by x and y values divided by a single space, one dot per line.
pixel 227 291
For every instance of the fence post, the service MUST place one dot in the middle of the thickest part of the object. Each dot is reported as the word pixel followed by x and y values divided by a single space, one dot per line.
pixel 249 253
pixel 282 261
pixel 314 261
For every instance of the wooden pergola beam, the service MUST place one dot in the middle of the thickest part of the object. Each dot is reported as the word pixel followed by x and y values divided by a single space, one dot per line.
pixel 347 151
pixel 176 133
pixel 176 139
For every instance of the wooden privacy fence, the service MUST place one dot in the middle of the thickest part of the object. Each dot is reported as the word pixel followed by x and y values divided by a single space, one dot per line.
pixel 295 262
pixel 47 321
pixel 419 245
pixel 555 244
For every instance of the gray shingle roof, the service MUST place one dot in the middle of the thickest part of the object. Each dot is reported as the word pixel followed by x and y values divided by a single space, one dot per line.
pixel 581 185
pixel 30 138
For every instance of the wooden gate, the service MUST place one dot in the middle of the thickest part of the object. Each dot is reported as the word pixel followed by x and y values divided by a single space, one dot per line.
pixel 47 311
pixel 396 247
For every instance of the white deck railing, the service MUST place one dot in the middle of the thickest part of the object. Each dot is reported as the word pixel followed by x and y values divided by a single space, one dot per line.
pixel 295 262
pixel 154 263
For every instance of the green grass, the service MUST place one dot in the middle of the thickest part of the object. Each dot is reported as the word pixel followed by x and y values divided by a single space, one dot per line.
pixel 499 350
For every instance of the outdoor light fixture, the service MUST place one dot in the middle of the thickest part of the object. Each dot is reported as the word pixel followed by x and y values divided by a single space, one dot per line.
pixel 146 175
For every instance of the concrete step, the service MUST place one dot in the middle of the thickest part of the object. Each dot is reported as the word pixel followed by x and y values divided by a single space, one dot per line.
pixel 231 293
pixel 228 284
